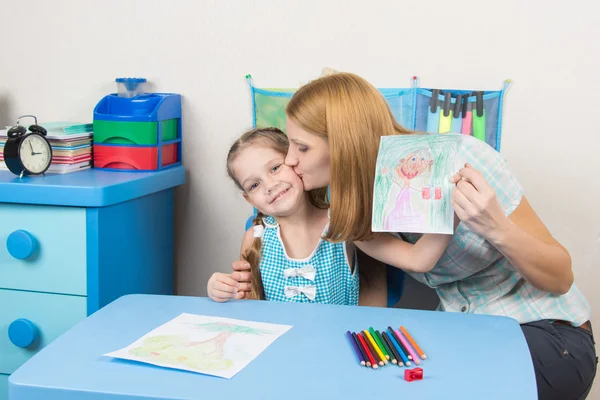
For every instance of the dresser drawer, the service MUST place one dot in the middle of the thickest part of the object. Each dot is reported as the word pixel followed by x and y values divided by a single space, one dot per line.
pixel 3 387
pixel 54 260
pixel 40 318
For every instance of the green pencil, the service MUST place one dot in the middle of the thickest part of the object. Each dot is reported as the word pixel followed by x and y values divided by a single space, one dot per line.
pixel 387 348
pixel 377 339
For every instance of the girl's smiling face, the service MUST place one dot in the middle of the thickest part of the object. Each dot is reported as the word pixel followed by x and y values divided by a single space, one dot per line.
pixel 269 185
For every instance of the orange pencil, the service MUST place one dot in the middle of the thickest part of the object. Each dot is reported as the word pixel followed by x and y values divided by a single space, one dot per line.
pixel 415 345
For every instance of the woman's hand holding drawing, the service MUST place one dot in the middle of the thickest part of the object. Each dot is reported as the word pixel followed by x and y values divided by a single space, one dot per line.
pixel 475 203
pixel 521 236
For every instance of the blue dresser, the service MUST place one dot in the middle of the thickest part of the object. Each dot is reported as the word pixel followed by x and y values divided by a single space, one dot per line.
pixel 70 244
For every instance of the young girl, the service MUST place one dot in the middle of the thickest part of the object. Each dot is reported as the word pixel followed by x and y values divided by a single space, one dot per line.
pixel 289 259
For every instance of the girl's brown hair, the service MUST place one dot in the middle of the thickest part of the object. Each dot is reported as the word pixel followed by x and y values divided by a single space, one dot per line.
pixel 353 115
pixel 277 140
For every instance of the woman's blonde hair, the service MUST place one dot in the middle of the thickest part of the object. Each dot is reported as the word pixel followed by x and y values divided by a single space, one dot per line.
pixel 277 140
pixel 353 115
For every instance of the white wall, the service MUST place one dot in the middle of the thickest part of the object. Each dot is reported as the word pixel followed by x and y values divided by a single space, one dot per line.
pixel 59 58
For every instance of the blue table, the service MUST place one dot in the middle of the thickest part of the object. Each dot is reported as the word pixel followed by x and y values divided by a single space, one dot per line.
pixel 469 356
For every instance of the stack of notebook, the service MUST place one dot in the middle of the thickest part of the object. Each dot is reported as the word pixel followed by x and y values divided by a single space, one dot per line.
pixel 71 146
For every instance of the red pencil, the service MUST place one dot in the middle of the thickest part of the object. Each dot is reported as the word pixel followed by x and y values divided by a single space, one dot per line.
pixel 367 351
pixel 362 350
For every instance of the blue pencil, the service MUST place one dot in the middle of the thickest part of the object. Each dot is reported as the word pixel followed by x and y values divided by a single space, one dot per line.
pixel 358 353
pixel 399 349
pixel 404 349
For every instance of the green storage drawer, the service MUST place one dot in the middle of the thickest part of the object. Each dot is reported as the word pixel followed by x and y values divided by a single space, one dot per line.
pixel 136 133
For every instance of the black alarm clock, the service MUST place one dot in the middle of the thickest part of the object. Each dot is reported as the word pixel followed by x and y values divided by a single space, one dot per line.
pixel 27 152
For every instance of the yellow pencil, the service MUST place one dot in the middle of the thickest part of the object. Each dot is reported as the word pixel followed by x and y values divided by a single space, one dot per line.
pixel 377 349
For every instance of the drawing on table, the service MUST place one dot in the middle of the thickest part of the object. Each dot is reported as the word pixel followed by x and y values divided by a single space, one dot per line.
pixel 209 345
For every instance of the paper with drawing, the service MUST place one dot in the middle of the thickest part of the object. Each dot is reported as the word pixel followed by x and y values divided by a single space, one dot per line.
pixel 412 190
pixel 198 343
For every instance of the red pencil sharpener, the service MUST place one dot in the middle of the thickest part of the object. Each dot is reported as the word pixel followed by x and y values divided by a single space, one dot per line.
pixel 415 374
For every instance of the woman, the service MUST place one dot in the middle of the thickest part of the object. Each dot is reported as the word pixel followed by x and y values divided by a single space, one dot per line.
pixel 502 259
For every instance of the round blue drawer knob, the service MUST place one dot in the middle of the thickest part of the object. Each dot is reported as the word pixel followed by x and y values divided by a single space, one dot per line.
pixel 22 332
pixel 21 244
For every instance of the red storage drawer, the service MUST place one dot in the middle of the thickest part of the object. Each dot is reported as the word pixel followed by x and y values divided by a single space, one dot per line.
pixel 142 158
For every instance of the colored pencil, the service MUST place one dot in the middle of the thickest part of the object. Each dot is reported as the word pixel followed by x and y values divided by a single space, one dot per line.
pixel 366 347
pixel 361 360
pixel 404 349
pixel 379 343
pixel 408 347
pixel 376 348
pixel 376 355
pixel 412 341
pixel 391 355
pixel 360 348
pixel 402 354
pixel 392 349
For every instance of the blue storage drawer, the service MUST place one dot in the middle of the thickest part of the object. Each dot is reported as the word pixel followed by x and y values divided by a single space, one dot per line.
pixel 57 263
pixel 50 315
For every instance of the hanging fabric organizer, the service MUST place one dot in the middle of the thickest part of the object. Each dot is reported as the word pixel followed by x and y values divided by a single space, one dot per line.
pixel 477 113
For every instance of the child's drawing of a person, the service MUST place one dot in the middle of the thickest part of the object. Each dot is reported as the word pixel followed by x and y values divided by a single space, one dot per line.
pixel 407 169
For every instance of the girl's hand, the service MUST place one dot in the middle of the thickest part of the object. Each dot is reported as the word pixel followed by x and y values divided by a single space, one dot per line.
pixel 222 287
pixel 475 203
pixel 241 273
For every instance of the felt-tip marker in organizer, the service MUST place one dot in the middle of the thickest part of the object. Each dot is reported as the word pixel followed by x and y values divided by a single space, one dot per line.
pixel 456 115
pixel 479 117
pixel 446 114
pixel 433 116
pixel 467 116
pixel 361 359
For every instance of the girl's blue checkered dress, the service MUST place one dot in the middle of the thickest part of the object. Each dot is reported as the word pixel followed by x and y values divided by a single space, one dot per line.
pixel 334 281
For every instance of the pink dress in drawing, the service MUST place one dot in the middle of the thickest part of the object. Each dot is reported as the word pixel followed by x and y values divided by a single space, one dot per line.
pixel 402 214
